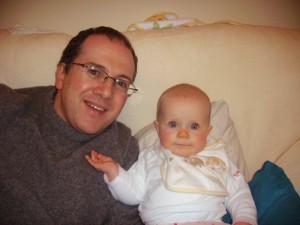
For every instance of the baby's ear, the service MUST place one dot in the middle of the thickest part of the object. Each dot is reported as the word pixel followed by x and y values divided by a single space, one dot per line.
pixel 155 123
pixel 210 128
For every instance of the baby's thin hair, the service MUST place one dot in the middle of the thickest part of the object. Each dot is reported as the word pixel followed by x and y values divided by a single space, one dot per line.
pixel 182 90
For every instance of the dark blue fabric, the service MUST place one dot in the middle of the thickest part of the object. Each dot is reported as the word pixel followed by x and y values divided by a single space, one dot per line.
pixel 276 200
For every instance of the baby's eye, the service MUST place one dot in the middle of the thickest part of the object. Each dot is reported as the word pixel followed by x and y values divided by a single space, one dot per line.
pixel 172 124
pixel 195 126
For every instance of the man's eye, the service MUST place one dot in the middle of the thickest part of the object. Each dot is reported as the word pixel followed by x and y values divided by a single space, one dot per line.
pixel 122 83
pixel 172 124
pixel 95 72
pixel 195 126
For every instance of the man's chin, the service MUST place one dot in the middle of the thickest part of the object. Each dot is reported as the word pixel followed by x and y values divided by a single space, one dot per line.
pixel 90 130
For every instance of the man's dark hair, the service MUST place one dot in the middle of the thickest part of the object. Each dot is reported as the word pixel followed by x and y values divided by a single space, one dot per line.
pixel 74 47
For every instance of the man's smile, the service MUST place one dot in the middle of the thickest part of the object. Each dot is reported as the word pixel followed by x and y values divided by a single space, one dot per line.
pixel 96 107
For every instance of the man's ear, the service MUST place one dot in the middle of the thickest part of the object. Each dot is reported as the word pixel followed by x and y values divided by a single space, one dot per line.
pixel 60 74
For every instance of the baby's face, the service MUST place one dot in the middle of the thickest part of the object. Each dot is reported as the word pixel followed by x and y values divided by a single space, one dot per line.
pixel 183 126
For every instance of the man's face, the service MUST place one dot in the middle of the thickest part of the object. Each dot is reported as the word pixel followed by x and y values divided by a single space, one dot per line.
pixel 85 103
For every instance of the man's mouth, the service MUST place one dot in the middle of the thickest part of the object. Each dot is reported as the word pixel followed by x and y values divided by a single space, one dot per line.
pixel 96 107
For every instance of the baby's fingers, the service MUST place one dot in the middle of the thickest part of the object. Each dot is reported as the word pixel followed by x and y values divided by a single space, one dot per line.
pixel 97 157
pixel 93 158
pixel 90 160
pixel 94 155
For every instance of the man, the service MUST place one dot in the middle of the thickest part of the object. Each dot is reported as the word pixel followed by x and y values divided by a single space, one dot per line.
pixel 46 131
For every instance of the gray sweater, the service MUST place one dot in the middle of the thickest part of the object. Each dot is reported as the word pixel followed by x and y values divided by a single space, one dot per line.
pixel 44 177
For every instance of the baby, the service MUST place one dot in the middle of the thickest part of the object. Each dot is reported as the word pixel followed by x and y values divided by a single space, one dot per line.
pixel 186 176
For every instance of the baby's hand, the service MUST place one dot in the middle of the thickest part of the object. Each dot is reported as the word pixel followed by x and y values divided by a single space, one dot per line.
pixel 104 164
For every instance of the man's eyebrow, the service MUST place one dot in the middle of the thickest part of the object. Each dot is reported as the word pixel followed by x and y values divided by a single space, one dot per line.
pixel 98 66
pixel 124 77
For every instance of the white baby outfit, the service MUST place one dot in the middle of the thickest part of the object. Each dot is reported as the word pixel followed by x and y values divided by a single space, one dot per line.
pixel 172 189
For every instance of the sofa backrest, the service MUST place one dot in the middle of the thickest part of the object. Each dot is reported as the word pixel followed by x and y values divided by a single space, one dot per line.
pixel 255 69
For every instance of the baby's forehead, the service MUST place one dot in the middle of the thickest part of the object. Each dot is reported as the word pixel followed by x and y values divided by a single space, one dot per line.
pixel 186 103
pixel 200 99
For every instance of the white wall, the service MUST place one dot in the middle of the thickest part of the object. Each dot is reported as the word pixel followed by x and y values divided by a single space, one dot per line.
pixel 73 15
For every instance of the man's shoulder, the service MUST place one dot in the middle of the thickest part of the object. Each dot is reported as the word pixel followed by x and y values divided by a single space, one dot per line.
pixel 34 91
pixel 21 93
pixel 14 101
pixel 122 129
pixel 10 98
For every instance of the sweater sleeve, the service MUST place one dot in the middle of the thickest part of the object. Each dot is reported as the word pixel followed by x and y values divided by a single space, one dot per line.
pixel 240 203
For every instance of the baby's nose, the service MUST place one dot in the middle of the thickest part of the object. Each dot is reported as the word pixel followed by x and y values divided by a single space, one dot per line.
pixel 183 133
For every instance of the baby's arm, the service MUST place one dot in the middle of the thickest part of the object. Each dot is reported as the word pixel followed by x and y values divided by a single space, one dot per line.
pixel 125 186
pixel 104 164
pixel 240 203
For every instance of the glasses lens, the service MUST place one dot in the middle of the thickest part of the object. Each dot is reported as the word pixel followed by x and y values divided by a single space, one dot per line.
pixel 131 90
pixel 122 85
pixel 96 73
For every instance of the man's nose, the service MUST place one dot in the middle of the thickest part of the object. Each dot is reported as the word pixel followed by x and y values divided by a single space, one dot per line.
pixel 105 89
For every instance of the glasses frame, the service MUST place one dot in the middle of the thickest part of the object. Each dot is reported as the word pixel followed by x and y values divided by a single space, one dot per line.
pixel 131 88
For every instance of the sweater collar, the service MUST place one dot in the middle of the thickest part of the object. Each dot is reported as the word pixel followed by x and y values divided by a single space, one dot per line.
pixel 60 127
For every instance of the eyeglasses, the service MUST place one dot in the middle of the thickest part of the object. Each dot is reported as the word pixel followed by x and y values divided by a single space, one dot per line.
pixel 97 73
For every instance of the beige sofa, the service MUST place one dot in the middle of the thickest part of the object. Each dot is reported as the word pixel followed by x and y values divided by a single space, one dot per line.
pixel 253 71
